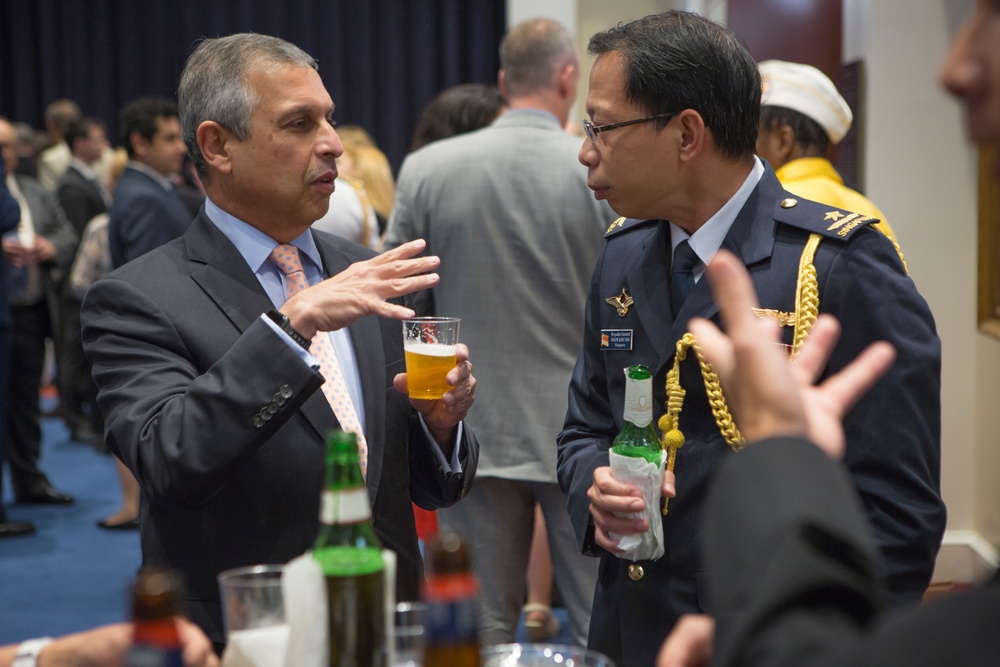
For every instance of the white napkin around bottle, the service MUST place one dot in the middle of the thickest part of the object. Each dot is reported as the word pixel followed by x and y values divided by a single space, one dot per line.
pixel 304 588
pixel 648 477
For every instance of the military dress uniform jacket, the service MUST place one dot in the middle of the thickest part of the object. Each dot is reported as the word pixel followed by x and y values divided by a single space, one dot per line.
pixel 893 434
pixel 223 424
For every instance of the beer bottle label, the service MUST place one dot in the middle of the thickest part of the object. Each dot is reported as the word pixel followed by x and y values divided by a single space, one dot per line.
pixel 345 507
pixel 638 401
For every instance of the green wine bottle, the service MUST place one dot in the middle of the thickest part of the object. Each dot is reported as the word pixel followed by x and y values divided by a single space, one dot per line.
pixel 350 555
pixel 638 436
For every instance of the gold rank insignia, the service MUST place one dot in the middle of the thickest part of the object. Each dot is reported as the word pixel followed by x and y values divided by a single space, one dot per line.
pixel 783 318
pixel 617 223
pixel 833 215
pixel 620 302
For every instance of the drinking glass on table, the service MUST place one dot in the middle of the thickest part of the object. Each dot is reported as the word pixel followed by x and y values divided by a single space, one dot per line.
pixel 408 634
pixel 429 344
pixel 254 613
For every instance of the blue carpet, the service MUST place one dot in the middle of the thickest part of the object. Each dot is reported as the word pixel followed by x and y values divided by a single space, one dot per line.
pixel 69 575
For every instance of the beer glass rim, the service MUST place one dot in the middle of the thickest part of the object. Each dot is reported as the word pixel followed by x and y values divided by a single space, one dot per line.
pixel 430 320
pixel 236 576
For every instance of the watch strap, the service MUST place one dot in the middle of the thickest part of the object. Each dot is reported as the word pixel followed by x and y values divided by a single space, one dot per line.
pixel 285 325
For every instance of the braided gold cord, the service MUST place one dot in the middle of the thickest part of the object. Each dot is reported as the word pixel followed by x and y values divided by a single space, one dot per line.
pixel 806 312
pixel 899 251
pixel 713 391
pixel 806 294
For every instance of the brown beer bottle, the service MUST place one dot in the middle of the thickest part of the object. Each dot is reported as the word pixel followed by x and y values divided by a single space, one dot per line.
pixel 156 601
pixel 451 629
pixel 350 555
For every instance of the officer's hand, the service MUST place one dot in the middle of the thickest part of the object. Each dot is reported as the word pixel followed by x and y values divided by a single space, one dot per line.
pixel 609 498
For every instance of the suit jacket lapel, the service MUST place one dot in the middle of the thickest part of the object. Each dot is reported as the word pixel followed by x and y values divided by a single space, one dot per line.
pixel 228 281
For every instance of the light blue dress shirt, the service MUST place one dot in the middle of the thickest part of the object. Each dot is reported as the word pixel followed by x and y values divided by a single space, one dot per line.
pixel 255 246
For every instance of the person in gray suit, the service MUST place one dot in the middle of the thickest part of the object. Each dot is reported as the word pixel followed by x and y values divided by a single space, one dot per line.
pixel 508 211
pixel 39 253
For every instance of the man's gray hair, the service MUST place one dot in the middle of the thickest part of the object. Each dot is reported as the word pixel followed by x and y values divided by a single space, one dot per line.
pixel 215 83
pixel 533 53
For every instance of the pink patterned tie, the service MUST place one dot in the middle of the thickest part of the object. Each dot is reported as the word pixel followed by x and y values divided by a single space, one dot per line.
pixel 286 258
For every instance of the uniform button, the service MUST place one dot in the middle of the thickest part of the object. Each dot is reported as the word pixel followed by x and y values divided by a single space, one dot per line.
pixel 258 421
pixel 285 391
pixel 635 572
pixel 789 203
pixel 278 399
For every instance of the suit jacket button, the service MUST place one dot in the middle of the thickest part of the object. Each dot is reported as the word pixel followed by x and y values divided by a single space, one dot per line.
pixel 635 572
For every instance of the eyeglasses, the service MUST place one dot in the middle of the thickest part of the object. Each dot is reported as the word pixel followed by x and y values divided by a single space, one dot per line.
pixel 594 130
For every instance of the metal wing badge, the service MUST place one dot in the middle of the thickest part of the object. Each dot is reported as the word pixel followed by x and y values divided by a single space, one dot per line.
pixel 622 302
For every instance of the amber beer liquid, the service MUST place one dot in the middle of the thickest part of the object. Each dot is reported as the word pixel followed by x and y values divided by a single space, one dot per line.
pixel 426 367
pixel 429 344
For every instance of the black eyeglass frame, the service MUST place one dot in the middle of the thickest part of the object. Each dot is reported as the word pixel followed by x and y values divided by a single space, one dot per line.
pixel 593 130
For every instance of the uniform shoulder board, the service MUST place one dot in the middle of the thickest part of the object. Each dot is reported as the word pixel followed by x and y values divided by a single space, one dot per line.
pixel 821 219
pixel 625 224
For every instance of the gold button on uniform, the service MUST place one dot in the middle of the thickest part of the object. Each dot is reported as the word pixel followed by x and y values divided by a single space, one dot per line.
pixel 635 572
pixel 789 203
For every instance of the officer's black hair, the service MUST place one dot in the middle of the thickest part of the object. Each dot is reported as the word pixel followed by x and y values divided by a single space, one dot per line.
pixel 679 60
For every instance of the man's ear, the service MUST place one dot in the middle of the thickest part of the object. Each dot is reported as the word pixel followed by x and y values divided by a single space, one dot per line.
pixel 213 142
pixel 140 144
pixel 502 85
pixel 693 134
pixel 568 78
pixel 783 141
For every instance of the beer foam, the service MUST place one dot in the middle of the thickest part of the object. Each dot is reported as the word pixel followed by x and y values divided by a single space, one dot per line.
pixel 431 350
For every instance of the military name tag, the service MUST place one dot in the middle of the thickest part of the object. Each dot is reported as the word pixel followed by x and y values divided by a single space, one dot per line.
pixel 616 339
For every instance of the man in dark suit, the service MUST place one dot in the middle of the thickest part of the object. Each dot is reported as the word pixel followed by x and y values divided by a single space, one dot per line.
pixel 82 196
pixel 672 146
pixel 206 377
pixel 81 193
pixel 39 254
pixel 147 211
pixel 10 215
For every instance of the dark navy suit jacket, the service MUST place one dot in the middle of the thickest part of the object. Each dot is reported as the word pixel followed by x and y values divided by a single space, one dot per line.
pixel 186 366
pixel 10 216
pixel 893 434
pixel 80 198
pixel 143 217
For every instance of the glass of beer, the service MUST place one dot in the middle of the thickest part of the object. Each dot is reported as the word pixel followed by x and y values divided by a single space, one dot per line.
pixel 429 344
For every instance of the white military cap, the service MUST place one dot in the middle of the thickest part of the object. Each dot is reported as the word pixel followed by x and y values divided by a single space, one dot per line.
pixel 805 89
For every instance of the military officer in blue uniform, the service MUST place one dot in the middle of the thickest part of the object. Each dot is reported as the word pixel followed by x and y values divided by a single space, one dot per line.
pixel 674 107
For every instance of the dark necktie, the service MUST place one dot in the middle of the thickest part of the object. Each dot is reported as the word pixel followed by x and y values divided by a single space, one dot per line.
pixel 681 276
